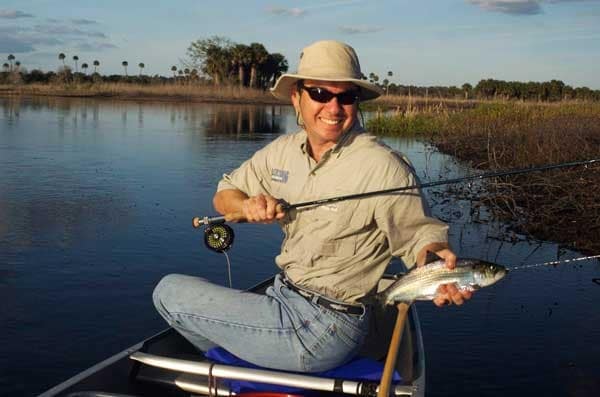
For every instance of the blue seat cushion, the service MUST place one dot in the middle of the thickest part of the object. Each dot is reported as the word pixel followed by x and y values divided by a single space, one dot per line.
pixel 358 369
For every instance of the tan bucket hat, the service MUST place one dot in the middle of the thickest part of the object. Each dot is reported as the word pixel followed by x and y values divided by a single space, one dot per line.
pixel 327 60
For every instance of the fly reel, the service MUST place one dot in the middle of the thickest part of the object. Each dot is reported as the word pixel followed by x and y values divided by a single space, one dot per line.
pixel 218 237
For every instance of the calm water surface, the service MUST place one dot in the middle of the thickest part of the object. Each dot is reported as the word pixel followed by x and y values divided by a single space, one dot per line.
pixel 96 199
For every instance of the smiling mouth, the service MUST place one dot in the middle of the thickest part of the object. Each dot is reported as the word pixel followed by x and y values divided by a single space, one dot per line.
pixel 331 121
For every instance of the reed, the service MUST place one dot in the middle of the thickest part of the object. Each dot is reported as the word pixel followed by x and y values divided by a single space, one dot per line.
pixel 167 92
pixel 559 205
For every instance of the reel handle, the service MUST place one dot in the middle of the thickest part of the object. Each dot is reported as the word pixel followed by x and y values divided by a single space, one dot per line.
pixel 234 217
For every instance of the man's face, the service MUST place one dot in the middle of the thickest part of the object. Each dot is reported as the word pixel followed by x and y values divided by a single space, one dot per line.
pixel 325 122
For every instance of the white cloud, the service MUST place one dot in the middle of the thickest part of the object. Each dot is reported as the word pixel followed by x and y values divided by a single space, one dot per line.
pixel 517 7
pixel 351 29
pixel 294 11
pixel 82 21
pixel 13 14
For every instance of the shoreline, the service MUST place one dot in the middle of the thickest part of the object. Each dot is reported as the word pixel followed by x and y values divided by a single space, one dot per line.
pixel 210 94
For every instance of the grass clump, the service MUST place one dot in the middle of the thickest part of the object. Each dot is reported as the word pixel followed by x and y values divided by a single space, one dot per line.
pixel 408 123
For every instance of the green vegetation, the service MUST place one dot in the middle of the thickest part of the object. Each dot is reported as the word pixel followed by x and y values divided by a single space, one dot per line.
pixel 410 122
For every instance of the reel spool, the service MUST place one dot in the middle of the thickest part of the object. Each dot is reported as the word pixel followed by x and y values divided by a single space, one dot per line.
pixel 218 237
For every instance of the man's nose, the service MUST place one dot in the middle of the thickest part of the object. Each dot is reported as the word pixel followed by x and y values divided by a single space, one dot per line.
pixel 333 104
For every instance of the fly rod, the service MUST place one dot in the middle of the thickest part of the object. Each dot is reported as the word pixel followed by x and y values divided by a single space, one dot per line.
pixel 219 237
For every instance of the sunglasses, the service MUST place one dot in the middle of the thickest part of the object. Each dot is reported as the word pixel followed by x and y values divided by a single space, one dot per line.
pixel 321 95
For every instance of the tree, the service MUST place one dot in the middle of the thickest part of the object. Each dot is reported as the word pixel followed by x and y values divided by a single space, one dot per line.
pixel 241 56
pixel 6 67
pixel 274 67
pixel 62 57
pixel 75 58
pixel 141 66
pixel 174 70
pixel 17 65
pixel 84 67
pixel 125 64
pixel 212 55
pixel 259 57
pixel 11 58
pixel 467 88
pixel 96 64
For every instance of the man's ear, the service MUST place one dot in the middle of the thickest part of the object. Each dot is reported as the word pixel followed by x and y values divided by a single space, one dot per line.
pixel 296 99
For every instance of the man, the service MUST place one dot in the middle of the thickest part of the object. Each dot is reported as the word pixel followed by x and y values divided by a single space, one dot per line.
pixel 333 255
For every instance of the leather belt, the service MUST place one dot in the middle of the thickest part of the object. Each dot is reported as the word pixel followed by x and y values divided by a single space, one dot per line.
pixel 355 310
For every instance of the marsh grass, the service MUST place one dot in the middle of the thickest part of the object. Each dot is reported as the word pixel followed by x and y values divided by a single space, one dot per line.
pixel 557 205
pixel 162 92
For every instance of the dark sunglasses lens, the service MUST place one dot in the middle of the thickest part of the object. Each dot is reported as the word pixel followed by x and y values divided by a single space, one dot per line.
pixel 321 95
pixel 347 98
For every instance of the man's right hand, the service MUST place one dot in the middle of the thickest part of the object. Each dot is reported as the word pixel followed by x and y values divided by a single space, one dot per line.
pixel 262 208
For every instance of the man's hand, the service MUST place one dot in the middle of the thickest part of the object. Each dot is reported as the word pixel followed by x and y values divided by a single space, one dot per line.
pixel 262 208
pixel 447 293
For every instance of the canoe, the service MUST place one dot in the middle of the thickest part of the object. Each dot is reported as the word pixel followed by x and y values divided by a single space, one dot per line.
pixel 166 364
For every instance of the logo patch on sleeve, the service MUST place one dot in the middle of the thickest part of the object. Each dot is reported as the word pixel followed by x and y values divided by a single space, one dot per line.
pixel 279 175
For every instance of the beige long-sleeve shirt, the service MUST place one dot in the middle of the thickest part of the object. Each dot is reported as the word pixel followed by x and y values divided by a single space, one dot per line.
pixel 340 249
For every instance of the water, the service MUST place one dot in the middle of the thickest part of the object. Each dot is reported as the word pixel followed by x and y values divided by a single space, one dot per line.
pixel 96 202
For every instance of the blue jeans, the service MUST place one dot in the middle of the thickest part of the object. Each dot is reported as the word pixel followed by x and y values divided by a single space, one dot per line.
pixel 280 329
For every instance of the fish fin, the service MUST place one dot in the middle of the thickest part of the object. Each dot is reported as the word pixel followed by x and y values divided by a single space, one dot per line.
pixel 379 300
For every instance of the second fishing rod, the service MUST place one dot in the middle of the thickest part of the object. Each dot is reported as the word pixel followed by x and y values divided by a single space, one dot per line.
pixel 219 237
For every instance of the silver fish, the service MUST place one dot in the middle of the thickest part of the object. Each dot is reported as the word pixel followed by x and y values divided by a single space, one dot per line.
pixel 422 282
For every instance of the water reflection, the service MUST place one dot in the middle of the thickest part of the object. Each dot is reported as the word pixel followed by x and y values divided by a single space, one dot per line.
pixel 240 119
pixel 230 120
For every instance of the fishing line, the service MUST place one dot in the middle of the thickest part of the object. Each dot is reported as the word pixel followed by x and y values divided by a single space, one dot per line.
pixel 228 269
pixel 558 262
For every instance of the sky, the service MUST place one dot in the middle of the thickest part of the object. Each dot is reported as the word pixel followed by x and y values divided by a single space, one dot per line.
pixel 425 43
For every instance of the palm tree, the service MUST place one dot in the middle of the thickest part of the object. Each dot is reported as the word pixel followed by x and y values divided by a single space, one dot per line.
pixel 387 82
pixel 217 62
pixel 96 64
pixel 62 57
pixel 84 67
pixel 17 66
pixel 259 56
pixel 5 66
pixel 75 58
pixel 141 66
pixel 125 63
pixel 275 65
pixel 241 56
pixel 174 70
pixel 11 58
pixel 467 88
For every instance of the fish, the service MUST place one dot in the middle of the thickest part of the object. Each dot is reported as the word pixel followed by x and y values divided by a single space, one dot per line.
pixel 422 282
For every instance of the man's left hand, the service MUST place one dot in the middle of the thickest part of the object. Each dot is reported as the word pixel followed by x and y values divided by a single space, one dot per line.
pixel 447 293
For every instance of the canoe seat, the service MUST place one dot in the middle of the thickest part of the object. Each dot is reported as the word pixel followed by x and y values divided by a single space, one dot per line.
pixel 358 369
